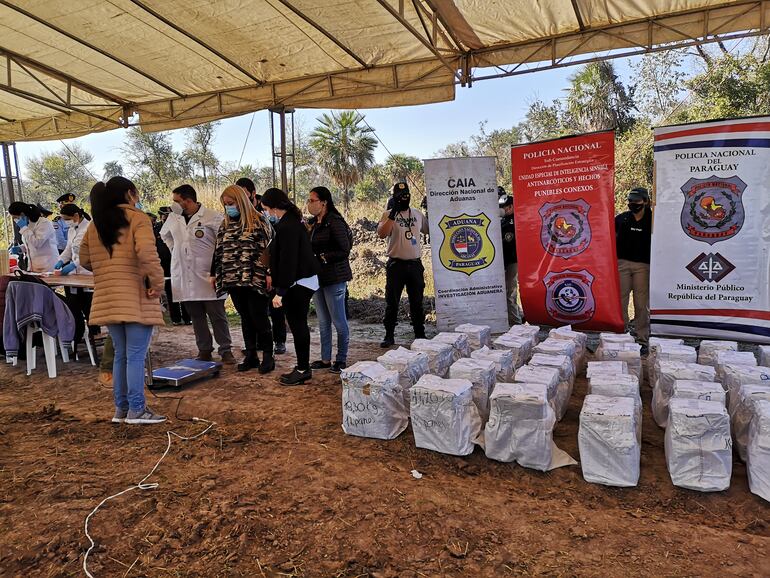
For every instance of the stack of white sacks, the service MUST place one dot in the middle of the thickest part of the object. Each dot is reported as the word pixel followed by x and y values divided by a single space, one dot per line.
pixel 621 347
pixel 667 352
pixel 502 358
pixel 758 451
pixel 579 339
pixel 440 355
pixel 481 373
pixel 410 365
pixel 478 335
pixel 726 359
pixel 667 372
pixel 708 349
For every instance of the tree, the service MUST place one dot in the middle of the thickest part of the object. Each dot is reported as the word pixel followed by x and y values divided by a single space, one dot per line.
pixel 199 150
pixel 543 122
pixel 112 169
pixel 60 172
pixel 659 84
pixel 153 160
pixel 597 100
pixel 345 148
pixel 375 185
pixel 633 162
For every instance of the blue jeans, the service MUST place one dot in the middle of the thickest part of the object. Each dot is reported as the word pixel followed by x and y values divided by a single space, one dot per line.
pixel 330 308
pixel 131 341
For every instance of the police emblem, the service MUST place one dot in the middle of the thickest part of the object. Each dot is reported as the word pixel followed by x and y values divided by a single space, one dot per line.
pixel 568 296
pixel 713 208
pixel 565 230
pixel 466 246
pixel 199 233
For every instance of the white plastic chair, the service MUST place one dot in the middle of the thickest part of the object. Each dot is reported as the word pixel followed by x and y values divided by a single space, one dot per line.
pixel 71 344
pixel 49 346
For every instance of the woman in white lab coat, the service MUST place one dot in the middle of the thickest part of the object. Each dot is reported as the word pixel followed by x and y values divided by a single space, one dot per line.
pixel 37 235
pixel 78 298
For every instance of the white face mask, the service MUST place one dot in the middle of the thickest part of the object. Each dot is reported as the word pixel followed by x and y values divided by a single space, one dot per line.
pixel 176 208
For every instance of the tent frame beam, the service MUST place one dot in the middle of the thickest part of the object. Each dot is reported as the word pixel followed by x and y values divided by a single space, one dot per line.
pixel 196 40
pixel 325 32
pixel 90 46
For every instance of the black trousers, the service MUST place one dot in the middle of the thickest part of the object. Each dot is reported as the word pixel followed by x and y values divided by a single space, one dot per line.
pixel 398 275
pixel 176 310
pixel 255 322
pixel 278 317
pixel 79 303
pixel 296 306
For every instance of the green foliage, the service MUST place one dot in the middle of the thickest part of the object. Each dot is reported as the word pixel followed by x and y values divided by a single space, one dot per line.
pixel 154 163
pixel 344 146
pixel 53 174
pixel 376 184
pixel 543 122
pixel 633 162
pixel 659 84
pixel 199 151
pixel 112 169
pixel 598 100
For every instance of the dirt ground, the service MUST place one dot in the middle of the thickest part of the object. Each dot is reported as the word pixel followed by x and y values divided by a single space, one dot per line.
pixel 277 489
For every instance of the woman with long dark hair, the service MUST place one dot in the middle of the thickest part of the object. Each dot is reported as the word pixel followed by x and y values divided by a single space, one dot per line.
pixel 120 250
pixel 37 235
pixel 331 239
pixel 78 299
pixel 238 268
pixel 294 274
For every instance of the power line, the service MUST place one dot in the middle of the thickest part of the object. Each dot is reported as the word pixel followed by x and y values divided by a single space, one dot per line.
pixel 248 133
pixel 69 150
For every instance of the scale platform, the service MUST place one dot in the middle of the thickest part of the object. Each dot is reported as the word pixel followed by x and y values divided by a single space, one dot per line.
pixel 183 372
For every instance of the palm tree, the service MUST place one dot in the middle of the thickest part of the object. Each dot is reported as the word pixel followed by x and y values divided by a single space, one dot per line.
pixel 345 148
pixel 597 99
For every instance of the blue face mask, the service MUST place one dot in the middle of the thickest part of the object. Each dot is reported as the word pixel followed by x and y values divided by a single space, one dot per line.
pixel 273 219
pixel 232 211
pixel 138 205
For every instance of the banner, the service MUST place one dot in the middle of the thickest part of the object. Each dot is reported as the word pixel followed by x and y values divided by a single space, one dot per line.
pixel 466 243
pixel 710 266
pixel 565 231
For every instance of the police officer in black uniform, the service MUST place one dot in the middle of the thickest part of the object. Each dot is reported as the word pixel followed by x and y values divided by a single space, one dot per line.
pixel 510 260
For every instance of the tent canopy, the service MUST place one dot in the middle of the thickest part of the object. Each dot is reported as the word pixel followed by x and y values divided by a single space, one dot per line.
pixel 82 66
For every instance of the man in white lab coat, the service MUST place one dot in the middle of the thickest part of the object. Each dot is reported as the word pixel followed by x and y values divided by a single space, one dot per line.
pixel 190 231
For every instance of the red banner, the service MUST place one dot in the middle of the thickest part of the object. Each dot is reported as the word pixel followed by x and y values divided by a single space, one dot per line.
pixel 565 231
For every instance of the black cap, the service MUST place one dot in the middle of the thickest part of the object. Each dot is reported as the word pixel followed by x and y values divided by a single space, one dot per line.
pixel 501 191
pixel 505 201
pixel 638 194
pixel 66 198
pixel 400 188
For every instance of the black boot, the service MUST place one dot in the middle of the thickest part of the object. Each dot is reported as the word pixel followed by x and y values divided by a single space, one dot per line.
pixel 419 333
pixel 249 362
pixel 389 340
pixel 268 362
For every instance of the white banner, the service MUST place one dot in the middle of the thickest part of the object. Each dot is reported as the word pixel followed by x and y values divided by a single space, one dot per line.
pixel 710 266
pixel 466 243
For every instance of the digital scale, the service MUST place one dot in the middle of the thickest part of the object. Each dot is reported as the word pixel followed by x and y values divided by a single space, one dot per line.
pixel 183 372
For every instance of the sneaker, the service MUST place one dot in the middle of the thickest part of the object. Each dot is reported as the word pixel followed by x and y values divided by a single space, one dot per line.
pixel 146 416
pixel 389 341
pixel 227 357
pixel 280 348
pixel 321 364
pixel 296 377
pixel 338 366
pixel 204 356
pixel 120 415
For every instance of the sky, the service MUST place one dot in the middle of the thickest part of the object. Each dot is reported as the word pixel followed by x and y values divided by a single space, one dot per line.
pixel 419 131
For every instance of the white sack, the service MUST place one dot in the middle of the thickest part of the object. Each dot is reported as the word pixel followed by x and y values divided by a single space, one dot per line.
pixel 566 377
pixel 668 352
pixel 608 443
pixel 481 373
pixel 668 372
pixel 611 367
pixel 519 346
pixel 439 355
pixel 478 335
pixel 520 427
pixel 764 355
pixel 580 340
pixel 743 412
pixel 732 358
pixel 655 343
pixel 703 390
pixel 531 332
pixel 758 452
pixel 411 366
pixel 736 376
pixel 444 417
pixel 619 386
pixel 606 339
pixel 539 374
pixel 554 346
pixel 628 352
pixel 458 341
pixel 699 452
pixel 372 401
pixel 707 352
pixel 502 358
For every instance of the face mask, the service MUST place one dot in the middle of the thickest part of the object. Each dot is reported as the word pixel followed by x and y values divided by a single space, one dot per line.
pixel 232 211
pixel 402 202
pixel 176 208
pixel 635 207
pixel 272 218
pixel 138 205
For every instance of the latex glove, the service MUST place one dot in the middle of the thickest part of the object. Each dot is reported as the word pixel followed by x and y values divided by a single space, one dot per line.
pixel 15 250
pixel 277 301
pixel 22 222
pixel 59 265
pixel 68 268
